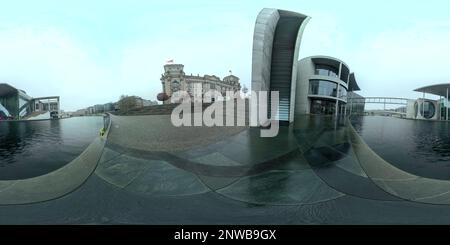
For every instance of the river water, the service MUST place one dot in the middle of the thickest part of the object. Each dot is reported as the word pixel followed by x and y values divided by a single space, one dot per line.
pixel 418 147
pixel 33 148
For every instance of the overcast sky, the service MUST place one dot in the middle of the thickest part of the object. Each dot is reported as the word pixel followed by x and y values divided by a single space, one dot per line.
pixel 91 52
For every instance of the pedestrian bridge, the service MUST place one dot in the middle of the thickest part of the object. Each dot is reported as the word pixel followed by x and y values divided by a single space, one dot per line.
pixel 400 102
pixel 380 100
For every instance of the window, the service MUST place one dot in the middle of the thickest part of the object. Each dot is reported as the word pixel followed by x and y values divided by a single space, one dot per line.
pixel 342 92
pixel 427 109
pixel 321 87
pixel 326 70
pixel 175 86
pixel 323 107
pixel 345 74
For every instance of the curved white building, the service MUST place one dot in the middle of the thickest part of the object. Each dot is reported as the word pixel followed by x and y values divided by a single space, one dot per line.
pixel 276 44
pixel 430 109
pixel 317 85
pixel 323 84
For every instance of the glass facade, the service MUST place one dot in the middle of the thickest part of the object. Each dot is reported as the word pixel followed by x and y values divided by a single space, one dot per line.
pixel 342 92
pixel 322 87
pixel 427 109
pixel 323 107
pixel 345 74
pixel 10 102
pixel 355 104
pixel 326 70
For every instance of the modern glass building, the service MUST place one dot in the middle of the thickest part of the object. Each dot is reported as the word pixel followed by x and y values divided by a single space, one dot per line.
pixel 429 109
pixel 16 104
pixel 323 86
pixel 356 104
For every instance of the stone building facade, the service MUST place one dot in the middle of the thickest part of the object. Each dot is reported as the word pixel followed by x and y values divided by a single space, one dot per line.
pixel 174 79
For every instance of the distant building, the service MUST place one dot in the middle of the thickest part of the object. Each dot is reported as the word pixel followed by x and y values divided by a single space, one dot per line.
pixel 430 109
pixel 99 109
pixel 401 109
pixel 148 102
pixel 91 110
pixel 81 112
pixel 357 104
pixel 15 103
pixel 174 79
pixel 132 102
pixel 108 107
pixel 116 106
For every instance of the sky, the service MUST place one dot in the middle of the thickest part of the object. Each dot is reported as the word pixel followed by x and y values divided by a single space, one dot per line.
pixel 92 52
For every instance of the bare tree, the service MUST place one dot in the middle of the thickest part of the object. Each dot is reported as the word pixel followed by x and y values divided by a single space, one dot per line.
pixel 127 102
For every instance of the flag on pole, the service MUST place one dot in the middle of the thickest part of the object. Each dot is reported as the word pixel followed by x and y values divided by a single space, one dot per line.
pixel 169 61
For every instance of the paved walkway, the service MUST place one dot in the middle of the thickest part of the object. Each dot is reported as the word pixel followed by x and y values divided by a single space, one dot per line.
pixel 314 172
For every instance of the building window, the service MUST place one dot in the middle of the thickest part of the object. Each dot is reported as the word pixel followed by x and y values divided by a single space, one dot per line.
pixel 175 86
pixel 323 107
pixel 326 70
pixel 342 92
pixel 321 87
pixel 345 72
pixel 427 109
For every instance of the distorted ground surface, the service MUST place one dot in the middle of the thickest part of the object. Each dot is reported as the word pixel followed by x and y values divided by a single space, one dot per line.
pixel 314 172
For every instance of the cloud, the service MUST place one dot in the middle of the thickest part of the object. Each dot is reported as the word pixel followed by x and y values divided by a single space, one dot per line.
pixel 50 61
pixel 47 62
pixel 213 51
pixel 323 35
pixel 396 61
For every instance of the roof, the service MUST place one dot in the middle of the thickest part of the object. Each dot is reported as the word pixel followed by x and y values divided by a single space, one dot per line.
pixel 233 76
pixel 327 60
pixel 436 89
pixel 6 89
pixel 352 85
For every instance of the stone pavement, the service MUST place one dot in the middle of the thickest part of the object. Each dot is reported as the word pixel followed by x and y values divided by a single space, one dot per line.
pixel 316 171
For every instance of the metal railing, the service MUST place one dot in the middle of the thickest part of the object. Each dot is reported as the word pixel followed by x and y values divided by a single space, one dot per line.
pixel 380 100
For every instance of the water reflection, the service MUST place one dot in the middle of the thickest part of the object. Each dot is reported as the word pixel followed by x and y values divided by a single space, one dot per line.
pixel 418 147
pixel 29 149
